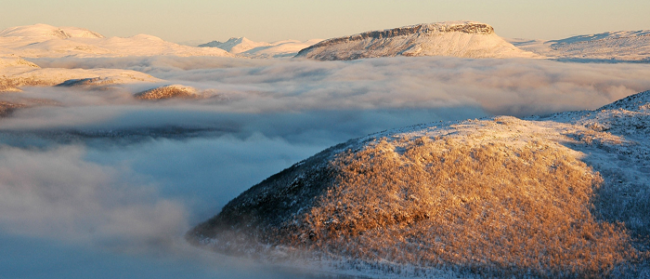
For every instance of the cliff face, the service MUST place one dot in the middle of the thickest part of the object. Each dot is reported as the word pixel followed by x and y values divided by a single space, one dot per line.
pixel 461 39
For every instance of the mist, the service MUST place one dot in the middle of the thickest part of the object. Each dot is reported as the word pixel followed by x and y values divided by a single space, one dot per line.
pixel 97 174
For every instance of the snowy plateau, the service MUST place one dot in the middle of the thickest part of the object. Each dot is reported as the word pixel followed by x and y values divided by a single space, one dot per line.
pixel 441 151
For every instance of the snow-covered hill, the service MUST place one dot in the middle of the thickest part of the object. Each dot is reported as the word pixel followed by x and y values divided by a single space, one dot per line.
pixel 16 72
pixel 617 46
pixel 42 40
pixel 498 196
pixel 460 39
pixel 245 47
pixel 46 32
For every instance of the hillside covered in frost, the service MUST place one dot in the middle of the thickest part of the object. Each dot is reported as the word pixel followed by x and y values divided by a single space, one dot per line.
pixel 563 195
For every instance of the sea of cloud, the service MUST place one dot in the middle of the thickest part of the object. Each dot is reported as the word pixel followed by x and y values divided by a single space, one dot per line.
pixel 104 176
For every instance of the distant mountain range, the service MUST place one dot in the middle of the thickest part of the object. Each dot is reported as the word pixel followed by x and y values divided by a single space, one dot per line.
pixel 613 46
pixel 460 39
pixel 245 47
pixel 42 40
pixel 467 39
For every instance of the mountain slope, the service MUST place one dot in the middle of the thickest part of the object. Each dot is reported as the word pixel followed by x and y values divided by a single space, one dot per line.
pixel 565 195
pixel 42 40
pixel 460 39
pixel 617 46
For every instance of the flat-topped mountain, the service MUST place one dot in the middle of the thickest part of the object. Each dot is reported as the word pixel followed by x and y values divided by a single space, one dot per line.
pixel 457 38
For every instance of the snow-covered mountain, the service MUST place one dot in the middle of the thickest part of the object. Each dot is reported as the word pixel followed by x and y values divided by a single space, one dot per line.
pixel 235 45
pixel 41 32
pixel 461 39
pixel 42 40
pixel 498 197
pixel 245 47
pixel 622 46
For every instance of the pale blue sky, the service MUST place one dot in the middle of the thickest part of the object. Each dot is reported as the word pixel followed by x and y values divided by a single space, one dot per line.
pixel 259 20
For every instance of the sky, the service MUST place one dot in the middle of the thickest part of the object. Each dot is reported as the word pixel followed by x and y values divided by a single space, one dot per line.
pixel 207 20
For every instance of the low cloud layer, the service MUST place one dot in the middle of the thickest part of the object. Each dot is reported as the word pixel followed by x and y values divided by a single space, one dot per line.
pixel 57 194
pixel 99 168
pixel 123 212
pixel 499 86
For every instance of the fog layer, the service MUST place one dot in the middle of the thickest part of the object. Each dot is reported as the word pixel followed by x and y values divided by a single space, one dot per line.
pixel 96 170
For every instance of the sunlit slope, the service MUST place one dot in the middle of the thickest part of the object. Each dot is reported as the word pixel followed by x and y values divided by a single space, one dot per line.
pixel 460 39
pixel 492 197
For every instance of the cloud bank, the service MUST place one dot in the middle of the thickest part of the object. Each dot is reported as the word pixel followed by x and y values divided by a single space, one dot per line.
pixel 57 194
pixel 97 167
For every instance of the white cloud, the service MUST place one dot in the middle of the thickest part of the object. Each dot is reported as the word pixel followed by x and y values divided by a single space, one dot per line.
pixel 57 194
pixel 113 192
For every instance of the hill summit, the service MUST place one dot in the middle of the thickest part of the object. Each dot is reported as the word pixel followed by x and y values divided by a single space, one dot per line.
pixel 454 38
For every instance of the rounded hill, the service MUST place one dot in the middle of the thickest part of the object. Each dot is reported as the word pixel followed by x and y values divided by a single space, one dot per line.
pixel 492 197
